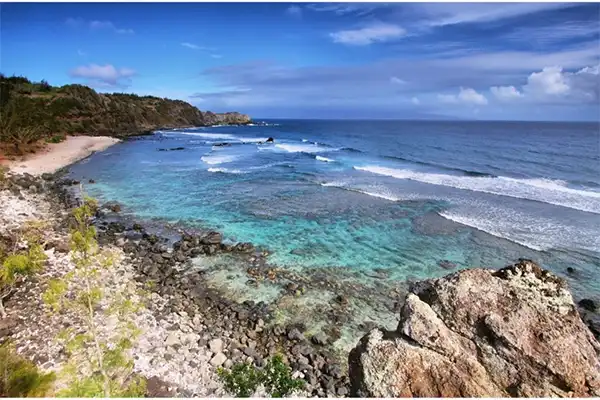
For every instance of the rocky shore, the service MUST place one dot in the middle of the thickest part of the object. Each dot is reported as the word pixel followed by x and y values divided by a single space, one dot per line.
pixel 190 327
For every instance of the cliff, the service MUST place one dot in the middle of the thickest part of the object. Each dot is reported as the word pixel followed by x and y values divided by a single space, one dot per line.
pixel 477 333
pixel 33 111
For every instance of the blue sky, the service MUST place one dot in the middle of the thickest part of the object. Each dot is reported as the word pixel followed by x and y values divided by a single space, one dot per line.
pixel 513 61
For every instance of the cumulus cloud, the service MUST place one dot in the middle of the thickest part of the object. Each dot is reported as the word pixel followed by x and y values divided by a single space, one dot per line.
pixel 464 96
pixel 380 32
pixel 415 101
pixel 103 75
pixel 550 81
pixel 506 93
pixel 555 85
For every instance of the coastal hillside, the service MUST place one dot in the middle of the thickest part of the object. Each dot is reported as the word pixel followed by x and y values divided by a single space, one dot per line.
pixel 34 112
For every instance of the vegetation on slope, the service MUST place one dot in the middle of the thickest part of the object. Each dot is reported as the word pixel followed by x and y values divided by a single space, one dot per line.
pixel 31 112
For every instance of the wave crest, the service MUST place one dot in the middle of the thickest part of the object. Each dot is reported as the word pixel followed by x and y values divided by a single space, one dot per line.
pixel 542 190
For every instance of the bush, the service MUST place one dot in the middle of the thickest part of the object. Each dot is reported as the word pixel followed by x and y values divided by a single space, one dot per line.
pixel 20 377
pixel 56 139
pixel 244 379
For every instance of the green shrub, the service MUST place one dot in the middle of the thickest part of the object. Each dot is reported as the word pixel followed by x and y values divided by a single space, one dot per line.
pixel 244 379
pixel 15 266
pixel 20 377
pixel 56 139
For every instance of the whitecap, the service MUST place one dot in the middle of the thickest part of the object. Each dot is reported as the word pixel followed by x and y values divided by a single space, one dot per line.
pixel 218 159
pixel 303 148
pixel 324 159
pixel 542 190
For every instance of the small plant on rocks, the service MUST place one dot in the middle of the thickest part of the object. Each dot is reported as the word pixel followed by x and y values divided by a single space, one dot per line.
pixel 244 379
pixel 20 377
pixel 98 363
pixel 16 266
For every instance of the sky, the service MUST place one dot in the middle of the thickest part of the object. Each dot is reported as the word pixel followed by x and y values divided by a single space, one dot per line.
pixel 494 61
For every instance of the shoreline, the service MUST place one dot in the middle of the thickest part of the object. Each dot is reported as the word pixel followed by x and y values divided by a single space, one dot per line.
pixel 186 303
pixel 61 155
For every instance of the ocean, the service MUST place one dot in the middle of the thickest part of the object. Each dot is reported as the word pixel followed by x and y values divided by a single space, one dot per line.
pixel 417 199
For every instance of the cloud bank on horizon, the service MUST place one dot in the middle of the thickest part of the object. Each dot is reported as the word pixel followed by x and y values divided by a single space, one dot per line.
pixel 512 61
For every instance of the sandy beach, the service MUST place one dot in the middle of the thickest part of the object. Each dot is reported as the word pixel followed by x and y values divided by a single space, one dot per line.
pixel 58 155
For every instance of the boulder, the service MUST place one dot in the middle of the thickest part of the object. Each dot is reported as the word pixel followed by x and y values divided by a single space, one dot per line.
pixel 588 304
pixel 212 238
pixel 482 333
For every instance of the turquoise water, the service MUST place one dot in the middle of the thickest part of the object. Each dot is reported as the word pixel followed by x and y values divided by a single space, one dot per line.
pixel 364 195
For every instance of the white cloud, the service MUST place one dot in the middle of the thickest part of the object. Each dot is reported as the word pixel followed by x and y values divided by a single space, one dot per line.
pixel 550 81
pixel 106 75
pixel 555 84
pixel 109 26
pixel 190 45
pixel 465 96
pixel 397 80
pixel 442 14
pixel 415 101
pixel 294 11
pixel 506 93
pixel 379 32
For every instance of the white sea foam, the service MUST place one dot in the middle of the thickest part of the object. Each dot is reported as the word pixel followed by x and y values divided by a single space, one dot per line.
pixel 227 171
pixel 303 148
pixel 533 231
pixel 543 190
pixel 218 159
pixel 206 135
pixel 304 140
pixel 246 171
pixel 325 159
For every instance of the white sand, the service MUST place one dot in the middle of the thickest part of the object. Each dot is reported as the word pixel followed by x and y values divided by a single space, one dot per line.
pixel 58 155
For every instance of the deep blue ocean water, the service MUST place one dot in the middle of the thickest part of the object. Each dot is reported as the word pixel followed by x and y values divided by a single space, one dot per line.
pixel 402 195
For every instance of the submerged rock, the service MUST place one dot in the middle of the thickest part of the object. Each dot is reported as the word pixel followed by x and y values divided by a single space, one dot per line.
pixel 478 333
pixel 588 304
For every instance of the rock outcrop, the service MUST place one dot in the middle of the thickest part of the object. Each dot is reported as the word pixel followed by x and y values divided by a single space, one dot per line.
pixel 228 118
pixel 479 333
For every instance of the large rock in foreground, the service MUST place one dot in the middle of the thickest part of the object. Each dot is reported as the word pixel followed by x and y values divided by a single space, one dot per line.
pixel 479 333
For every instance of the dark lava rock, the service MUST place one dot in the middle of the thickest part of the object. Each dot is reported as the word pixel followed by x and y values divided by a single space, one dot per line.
pixel 244 247
pixel 47 177
pixel 212 238
pixel 319 338
pixel 588 304
pixel 137 227
pixel 446 264
pixel 91 181
pixel 222 144
pixel 7 326
pixel 156 387
pixel 114 207
pixel 335 371
pixel 341 299
pixel 270 140
pixel 295 334
pixel 571 270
